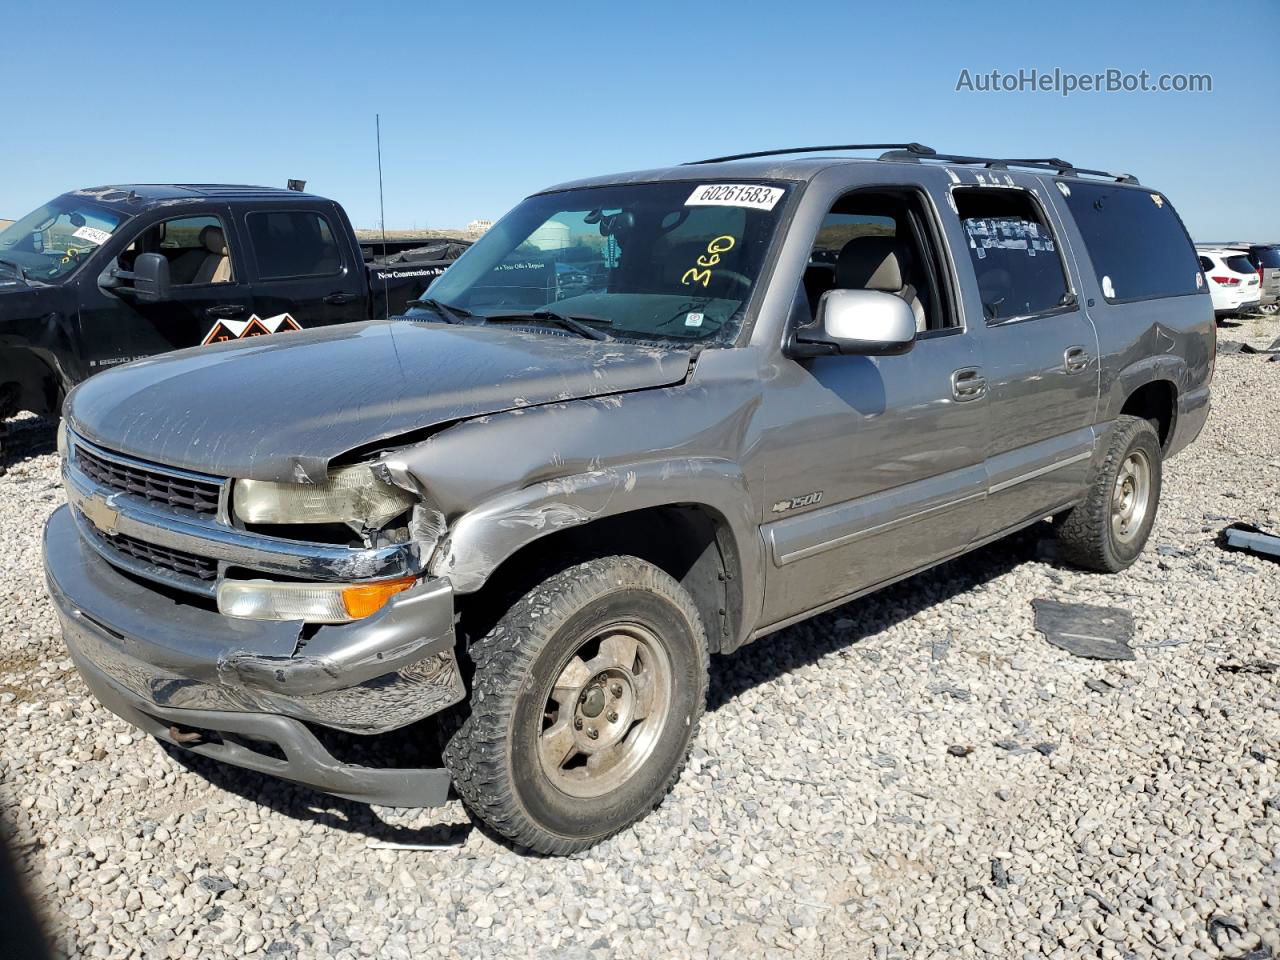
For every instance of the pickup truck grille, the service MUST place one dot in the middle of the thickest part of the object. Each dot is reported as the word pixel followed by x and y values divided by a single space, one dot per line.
pixel 150 483
pixel 176 561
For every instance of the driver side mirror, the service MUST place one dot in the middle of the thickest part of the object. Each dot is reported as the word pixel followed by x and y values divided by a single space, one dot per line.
pixel 865 322
pixel 149 281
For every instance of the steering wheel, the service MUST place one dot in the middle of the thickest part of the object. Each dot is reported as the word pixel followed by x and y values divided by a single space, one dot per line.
pixel 741 279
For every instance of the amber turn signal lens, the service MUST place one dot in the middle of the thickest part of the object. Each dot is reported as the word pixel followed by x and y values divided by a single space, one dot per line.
pixel 368 598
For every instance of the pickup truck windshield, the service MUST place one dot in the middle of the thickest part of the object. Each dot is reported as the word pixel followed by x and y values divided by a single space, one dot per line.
pixel 52 240
pixel 675 260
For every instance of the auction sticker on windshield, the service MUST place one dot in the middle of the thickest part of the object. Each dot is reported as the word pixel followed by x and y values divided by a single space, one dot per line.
pixel 735 195
pixel 93 235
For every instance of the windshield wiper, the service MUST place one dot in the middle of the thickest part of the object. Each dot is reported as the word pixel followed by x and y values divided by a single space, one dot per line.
pixel 563 320
pixel 18 268
pixel 448 313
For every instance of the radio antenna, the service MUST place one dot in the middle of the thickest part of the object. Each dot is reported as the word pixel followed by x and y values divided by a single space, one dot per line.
pixel 382 215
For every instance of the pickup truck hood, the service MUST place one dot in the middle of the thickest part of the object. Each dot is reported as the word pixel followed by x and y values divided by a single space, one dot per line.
pixel 281 407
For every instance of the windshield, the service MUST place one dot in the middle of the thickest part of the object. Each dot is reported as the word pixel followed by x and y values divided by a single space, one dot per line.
pixel 672 260
pixel 54 239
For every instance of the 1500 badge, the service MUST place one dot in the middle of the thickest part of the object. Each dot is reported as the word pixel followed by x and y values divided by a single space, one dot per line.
pixel 795 503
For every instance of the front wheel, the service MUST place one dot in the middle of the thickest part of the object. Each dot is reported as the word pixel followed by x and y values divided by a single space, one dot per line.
pixel 1109 528
pixel 585 700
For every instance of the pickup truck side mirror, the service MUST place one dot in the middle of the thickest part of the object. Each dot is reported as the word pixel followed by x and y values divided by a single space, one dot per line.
pixel 866 322
pixel 148 282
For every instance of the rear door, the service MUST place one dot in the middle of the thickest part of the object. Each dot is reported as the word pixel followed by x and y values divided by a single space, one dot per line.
pixel 304 274
pixel 1040 351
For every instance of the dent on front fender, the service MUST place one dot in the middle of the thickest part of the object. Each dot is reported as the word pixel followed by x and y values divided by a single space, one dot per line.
pixel 485 537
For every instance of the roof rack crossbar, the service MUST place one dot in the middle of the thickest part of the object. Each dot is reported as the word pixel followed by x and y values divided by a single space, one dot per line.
pixel 915 149
pixel 1062 167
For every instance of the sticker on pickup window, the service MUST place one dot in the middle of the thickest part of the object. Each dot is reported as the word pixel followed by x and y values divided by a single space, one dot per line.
pixel 93 235
pixel 751 195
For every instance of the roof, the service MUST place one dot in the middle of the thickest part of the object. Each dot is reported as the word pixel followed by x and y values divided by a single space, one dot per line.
pixel 786 165
pixel 154 192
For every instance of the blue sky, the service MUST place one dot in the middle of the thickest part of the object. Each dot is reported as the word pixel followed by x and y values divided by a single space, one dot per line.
pixel 483 103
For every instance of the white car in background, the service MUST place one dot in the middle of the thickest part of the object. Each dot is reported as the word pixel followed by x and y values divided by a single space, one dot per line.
pixel 1232 279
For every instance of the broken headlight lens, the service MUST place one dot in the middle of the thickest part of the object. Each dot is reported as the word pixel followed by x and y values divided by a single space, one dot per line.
pixel 350 495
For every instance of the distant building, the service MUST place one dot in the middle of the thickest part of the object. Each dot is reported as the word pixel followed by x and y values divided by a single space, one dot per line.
pixel 479 226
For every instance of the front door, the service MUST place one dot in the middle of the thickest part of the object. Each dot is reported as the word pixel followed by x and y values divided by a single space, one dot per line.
pixel 875 467
pixel 208 287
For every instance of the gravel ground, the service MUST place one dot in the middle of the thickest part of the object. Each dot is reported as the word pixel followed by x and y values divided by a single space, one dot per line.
pixel 1107 810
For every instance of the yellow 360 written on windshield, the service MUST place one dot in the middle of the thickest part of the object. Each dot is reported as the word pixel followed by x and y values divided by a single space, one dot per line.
pixel 708 260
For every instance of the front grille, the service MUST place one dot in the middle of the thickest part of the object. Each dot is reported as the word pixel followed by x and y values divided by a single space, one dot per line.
pixel 149 483
pixel 177 561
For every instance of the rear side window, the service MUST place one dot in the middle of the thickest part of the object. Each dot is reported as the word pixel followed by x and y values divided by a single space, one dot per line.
pixel 1014 254
pixel 1267 257
pixel 293 243
pixel 1137 244
pixel 1206 263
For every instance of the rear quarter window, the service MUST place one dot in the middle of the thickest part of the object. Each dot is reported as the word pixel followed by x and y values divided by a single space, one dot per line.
pixel 1135 240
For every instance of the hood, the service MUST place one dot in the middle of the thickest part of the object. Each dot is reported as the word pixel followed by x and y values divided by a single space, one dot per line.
pixel 281 407
pixel 20 300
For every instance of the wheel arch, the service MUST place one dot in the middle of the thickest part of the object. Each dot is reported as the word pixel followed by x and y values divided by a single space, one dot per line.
pixel 1149 389
pixel 692 518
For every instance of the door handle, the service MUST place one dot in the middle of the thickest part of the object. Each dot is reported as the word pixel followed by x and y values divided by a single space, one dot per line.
pixel 338 299
pixel 1076 359
pixel 224 310
pixel 968 383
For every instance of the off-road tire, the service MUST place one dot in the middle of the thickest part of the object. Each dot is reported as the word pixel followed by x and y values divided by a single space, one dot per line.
pixel 1085 532
pixel 492 756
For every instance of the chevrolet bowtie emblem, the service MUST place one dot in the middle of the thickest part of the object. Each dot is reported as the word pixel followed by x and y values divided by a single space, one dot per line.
pixel 100 513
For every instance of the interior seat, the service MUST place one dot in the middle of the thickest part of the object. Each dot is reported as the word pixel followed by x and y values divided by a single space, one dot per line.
pixel 216 265
pixel 879 263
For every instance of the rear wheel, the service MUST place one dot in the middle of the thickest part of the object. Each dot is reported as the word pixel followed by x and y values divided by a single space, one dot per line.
pixel 1109 528
pixel 585 699
pixel 1269 309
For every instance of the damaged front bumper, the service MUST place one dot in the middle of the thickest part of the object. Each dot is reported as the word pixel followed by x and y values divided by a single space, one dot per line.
pixel 164 666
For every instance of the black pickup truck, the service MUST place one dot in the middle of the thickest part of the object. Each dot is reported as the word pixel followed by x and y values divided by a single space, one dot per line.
pixel 98 277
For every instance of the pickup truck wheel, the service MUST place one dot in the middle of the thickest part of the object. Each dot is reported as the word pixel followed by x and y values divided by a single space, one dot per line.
pixel 585 699
pixel 1109 528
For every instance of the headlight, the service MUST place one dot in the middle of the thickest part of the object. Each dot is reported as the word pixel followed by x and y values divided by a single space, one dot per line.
pixel 312 602
pixel 351 495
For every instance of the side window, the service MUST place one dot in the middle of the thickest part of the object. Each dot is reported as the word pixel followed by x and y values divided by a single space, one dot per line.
pixel 196 248
pixel 1014 254
pixel 1138 246
pixel 873 240
pixel 293 243
pixel 1206 263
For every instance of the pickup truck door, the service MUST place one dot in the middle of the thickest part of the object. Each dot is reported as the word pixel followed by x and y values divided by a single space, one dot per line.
pixel 1039 346
pixel 116 328
pixel 304 271
pixel 873 466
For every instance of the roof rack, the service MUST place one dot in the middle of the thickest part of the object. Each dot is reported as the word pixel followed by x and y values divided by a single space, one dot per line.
pixel 916 149
pixel 915 152
pixel 1061 167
